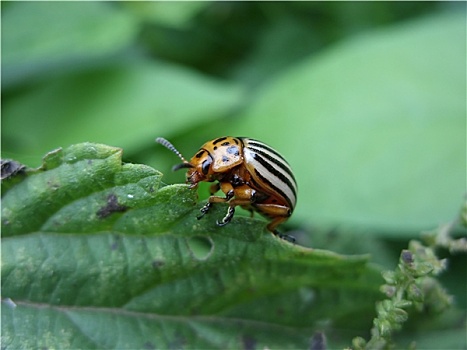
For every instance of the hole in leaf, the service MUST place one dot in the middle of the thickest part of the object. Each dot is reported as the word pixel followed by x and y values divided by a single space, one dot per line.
pixel 201 247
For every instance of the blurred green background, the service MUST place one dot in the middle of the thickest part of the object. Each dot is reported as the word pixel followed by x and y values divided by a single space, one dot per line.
pixel 366 100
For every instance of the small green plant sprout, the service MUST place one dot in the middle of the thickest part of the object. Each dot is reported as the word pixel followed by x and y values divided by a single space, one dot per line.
pixel 413 284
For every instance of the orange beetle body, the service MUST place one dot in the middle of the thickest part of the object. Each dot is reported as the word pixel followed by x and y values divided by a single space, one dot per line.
pixel 250 173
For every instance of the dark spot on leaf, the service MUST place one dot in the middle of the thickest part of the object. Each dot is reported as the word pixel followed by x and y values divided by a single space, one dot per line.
pixel 115 243
pixel 177 343
pixel 52 185
pixel 157 264
pixel 249 343
pixel 10 168
pixel 318 341
pixel 333 233
pixel 148 345
pixel 111 207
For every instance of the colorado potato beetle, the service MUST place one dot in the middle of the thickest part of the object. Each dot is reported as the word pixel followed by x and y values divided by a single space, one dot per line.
pixel 251 174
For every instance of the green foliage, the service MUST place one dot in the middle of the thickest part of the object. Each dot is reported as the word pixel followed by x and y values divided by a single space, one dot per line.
pixel 366 100
pixel 369 142
pixel 31 45
pixel 412 285
pixel 91 245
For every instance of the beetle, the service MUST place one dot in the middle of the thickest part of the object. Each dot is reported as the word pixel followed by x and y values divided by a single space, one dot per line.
pixel 251 174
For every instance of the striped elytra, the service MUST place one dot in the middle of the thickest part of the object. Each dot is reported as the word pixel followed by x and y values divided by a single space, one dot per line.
pixel 250 173
pixel 271 169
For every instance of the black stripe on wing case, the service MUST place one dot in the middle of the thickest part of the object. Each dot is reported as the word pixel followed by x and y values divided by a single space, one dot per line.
pixel 279 162
pixel 276 173
pixel 275 188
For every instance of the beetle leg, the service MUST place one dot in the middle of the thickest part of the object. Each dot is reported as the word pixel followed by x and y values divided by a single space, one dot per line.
pixel 243 197
pixel 216 199
pixel 204 210
pixel 231 211
pixel 228 217
pixel 253 199
pixel 229 193
pixel 285 237
pixel 276 221
pixel 214 188
pixel 278 214
pixel 272 227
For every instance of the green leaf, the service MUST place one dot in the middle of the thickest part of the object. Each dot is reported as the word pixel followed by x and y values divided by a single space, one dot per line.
pixel 31 44
pixel 172 14
pixel 374 127
pixel 444 339
pixel 95 254
pixel 128 105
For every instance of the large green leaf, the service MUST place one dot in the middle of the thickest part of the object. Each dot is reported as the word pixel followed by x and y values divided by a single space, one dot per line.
pixel 176 14
pixel 127 104
pixel 374 127
pixel 95 254
pixel 95 85
pixel 40 37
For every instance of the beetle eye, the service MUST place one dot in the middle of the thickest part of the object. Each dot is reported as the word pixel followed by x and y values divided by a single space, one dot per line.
pixel 206 165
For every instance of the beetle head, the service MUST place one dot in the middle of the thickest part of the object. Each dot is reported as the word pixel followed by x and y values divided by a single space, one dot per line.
pixel 198 168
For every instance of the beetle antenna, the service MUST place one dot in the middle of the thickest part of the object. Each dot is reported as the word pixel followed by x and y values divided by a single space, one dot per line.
pixel 181 166
pixel 171 147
